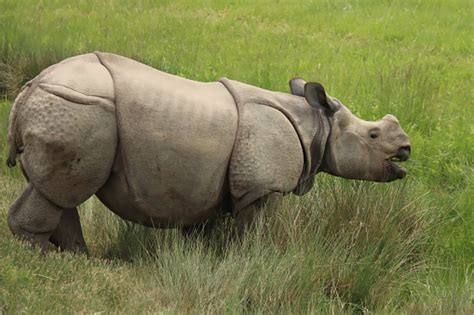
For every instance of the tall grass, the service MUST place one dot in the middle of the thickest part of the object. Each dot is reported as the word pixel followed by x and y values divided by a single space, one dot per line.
pixel 348 246
pixel 406 247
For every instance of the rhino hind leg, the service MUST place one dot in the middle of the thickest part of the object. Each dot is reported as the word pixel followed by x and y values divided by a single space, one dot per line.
pixel 68 234
pixel 37 220
pixel 34 218
pixel 69 149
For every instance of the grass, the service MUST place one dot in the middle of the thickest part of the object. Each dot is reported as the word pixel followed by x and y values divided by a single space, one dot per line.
pixel 405 247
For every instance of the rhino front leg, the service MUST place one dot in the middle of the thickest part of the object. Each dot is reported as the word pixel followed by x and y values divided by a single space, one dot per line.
pixel 199 229
pixel 34 218
pixel 245 218
pixel 68 234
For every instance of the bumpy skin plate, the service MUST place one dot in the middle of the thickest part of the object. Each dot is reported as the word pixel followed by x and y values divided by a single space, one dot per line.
pixel 64 125
pixel 268 156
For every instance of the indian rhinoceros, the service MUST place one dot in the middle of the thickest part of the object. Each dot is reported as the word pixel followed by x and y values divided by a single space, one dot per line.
pixel 165 151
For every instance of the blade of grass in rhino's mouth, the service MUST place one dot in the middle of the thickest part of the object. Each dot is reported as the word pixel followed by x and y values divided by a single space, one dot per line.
pixel 395 160
pixel 396 169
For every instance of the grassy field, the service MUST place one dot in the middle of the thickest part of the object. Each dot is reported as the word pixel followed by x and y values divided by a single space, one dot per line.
pixel 405 247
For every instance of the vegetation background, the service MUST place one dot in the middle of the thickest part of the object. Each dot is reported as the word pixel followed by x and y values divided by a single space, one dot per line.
pixel 348 246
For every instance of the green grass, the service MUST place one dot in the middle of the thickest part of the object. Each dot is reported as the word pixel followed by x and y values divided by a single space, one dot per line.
pixel 405 247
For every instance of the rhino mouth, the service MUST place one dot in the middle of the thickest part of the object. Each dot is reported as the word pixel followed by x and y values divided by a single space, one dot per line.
pixel 394 170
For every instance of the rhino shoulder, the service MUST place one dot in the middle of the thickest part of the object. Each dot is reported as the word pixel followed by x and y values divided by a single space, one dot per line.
pixel 267 157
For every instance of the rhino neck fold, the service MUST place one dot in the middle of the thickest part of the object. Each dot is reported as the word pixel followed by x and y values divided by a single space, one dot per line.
pixel 319 142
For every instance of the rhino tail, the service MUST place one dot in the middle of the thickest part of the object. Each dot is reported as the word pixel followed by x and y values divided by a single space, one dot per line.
pixel 14 140
pixel 11 160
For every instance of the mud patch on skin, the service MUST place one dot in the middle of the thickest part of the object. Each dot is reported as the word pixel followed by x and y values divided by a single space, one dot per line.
pixel 173 194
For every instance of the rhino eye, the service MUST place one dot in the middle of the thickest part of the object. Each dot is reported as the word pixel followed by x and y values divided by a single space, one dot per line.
pixel 374 134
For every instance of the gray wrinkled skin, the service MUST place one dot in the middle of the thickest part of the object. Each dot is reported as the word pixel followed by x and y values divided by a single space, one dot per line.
pixel 165 151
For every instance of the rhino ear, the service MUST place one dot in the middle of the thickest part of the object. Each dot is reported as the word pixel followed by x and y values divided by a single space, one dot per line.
pixel 297 86
pixel 316 96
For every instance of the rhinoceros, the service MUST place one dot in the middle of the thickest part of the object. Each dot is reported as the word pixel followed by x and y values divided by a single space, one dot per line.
pixel 165 151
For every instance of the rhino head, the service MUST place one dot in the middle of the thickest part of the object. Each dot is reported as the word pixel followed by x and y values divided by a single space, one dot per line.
pixel 357 149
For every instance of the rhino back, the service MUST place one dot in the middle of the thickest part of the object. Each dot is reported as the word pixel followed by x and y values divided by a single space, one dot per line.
pixel 176 138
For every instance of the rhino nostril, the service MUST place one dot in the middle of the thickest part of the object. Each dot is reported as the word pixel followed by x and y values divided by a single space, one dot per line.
pixel 406 148
pixel 404 153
